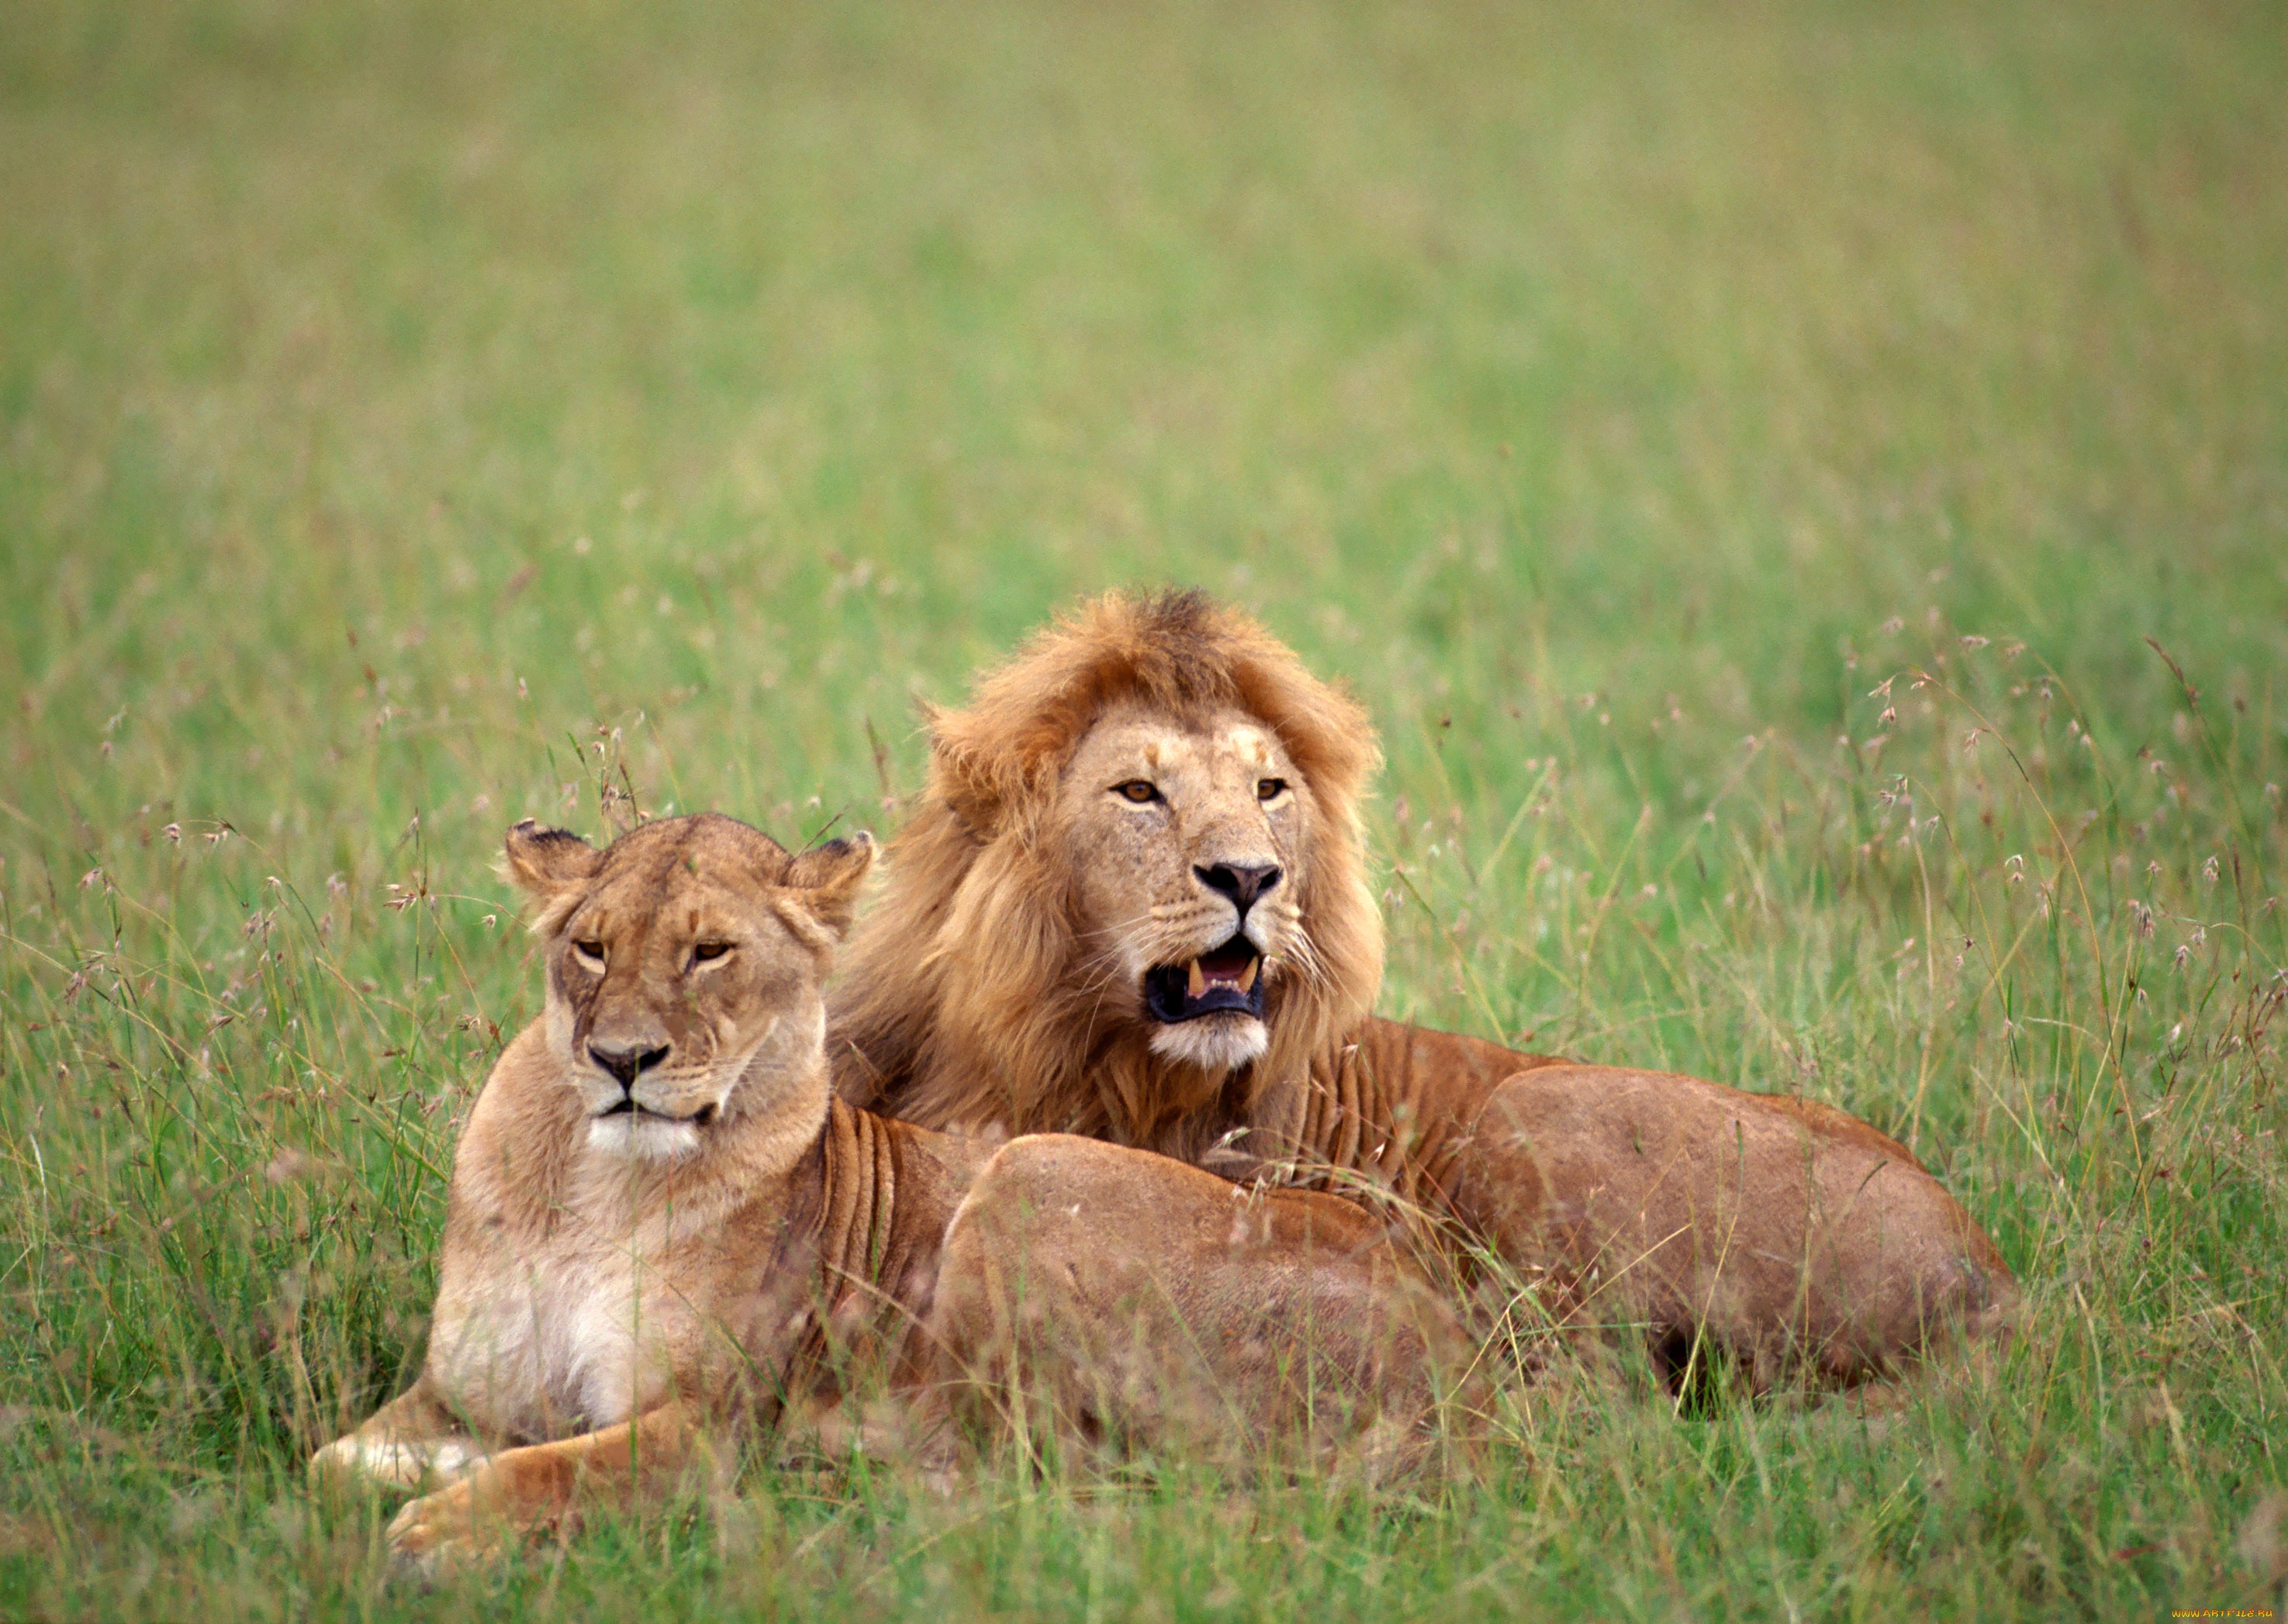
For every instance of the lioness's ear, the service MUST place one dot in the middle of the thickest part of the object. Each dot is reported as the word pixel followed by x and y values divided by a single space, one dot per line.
pixel 830 876
pixel 545 863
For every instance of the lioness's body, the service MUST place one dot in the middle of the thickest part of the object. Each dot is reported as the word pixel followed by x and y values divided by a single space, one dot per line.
pixel 661 1223
pixel 1134 904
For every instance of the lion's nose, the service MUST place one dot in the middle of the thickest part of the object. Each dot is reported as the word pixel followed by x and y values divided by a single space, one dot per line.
pixel 1240 881
pixel 626 1064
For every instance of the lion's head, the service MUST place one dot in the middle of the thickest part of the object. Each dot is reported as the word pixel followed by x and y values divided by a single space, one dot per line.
pixel 1136 887
pixel 684 959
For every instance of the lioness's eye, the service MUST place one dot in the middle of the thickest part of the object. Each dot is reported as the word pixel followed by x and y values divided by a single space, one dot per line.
pixel 1270 788
pixel 592 951
pixel 1137 789
pixel 704 953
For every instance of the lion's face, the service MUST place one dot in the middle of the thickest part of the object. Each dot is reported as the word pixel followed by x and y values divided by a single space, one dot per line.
pixel 678 959
pixel 1134 899
pixel 1189 845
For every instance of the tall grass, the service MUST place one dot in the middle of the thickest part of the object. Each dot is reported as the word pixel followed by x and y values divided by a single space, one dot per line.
pixel 1805 491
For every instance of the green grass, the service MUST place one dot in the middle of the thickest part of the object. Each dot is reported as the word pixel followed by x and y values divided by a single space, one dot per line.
pixel 413 415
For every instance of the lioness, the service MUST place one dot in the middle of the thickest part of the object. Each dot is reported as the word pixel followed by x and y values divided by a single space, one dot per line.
pixel 659 1216
pixel 1134 904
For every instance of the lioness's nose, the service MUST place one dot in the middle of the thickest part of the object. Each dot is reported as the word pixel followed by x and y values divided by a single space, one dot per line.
pixel 1239 882
pixel 626 1064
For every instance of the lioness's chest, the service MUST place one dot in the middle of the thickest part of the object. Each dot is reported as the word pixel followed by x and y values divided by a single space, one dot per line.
pixel 578 1332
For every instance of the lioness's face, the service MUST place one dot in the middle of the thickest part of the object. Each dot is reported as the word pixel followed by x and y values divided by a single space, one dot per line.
pixel 1190 844
pixel 685 965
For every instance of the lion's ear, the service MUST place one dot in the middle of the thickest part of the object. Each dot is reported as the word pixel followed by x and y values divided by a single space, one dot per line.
pixel 830 876
pixel 971 770
pixel 957 774
pixel 545 863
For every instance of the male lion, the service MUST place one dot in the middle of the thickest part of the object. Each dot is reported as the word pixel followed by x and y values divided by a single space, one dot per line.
pixel 659 1215
pixel 1133 905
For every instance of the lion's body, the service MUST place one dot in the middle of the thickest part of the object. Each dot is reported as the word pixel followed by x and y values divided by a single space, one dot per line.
pixel 1780 1227
pixel 662 1224
pixel 1014 976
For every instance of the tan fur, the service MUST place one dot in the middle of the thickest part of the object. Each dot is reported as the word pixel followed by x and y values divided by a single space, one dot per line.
pixel 993 986
pixel 1133 1299
pixel 616 1289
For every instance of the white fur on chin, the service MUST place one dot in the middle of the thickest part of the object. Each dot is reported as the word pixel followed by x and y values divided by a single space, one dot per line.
pixel 643 1139
pixel 1214 1042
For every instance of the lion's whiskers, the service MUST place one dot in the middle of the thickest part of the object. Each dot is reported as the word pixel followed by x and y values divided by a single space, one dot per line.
pixel 1297 949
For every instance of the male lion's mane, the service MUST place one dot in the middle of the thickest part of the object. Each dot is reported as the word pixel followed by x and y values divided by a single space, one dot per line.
pixel 969 998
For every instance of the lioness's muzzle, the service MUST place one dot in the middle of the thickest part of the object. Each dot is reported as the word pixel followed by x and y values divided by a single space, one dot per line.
pixel 627 1106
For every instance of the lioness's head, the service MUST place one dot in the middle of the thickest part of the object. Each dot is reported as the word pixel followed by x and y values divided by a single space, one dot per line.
pixel 684 958
pixel 1136 885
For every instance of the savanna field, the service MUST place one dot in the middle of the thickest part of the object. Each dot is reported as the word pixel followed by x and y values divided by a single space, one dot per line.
pixel 1802 488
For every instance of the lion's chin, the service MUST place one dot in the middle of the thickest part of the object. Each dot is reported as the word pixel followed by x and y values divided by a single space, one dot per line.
pixel 1213 1043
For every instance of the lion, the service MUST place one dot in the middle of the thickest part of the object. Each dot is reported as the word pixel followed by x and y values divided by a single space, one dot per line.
pixel 662 1227
pixel 1134 904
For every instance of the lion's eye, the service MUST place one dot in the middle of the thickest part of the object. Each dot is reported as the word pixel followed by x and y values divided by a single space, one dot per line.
pixel 1270 788
pixel 589 954
pixel 1139 790
pixel 707 953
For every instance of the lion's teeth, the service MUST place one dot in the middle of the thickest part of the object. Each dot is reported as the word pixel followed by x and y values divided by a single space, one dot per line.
pixel 1198 984
pixel 1247 977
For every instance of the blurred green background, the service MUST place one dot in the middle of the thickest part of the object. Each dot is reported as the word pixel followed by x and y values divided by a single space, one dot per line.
pixel 414 417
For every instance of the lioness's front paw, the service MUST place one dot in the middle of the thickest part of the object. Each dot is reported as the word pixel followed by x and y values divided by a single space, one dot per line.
pixel 381 1462
pixel 443 1529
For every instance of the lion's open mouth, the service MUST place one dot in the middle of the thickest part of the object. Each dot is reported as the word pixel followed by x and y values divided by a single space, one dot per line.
pixel 1227 980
